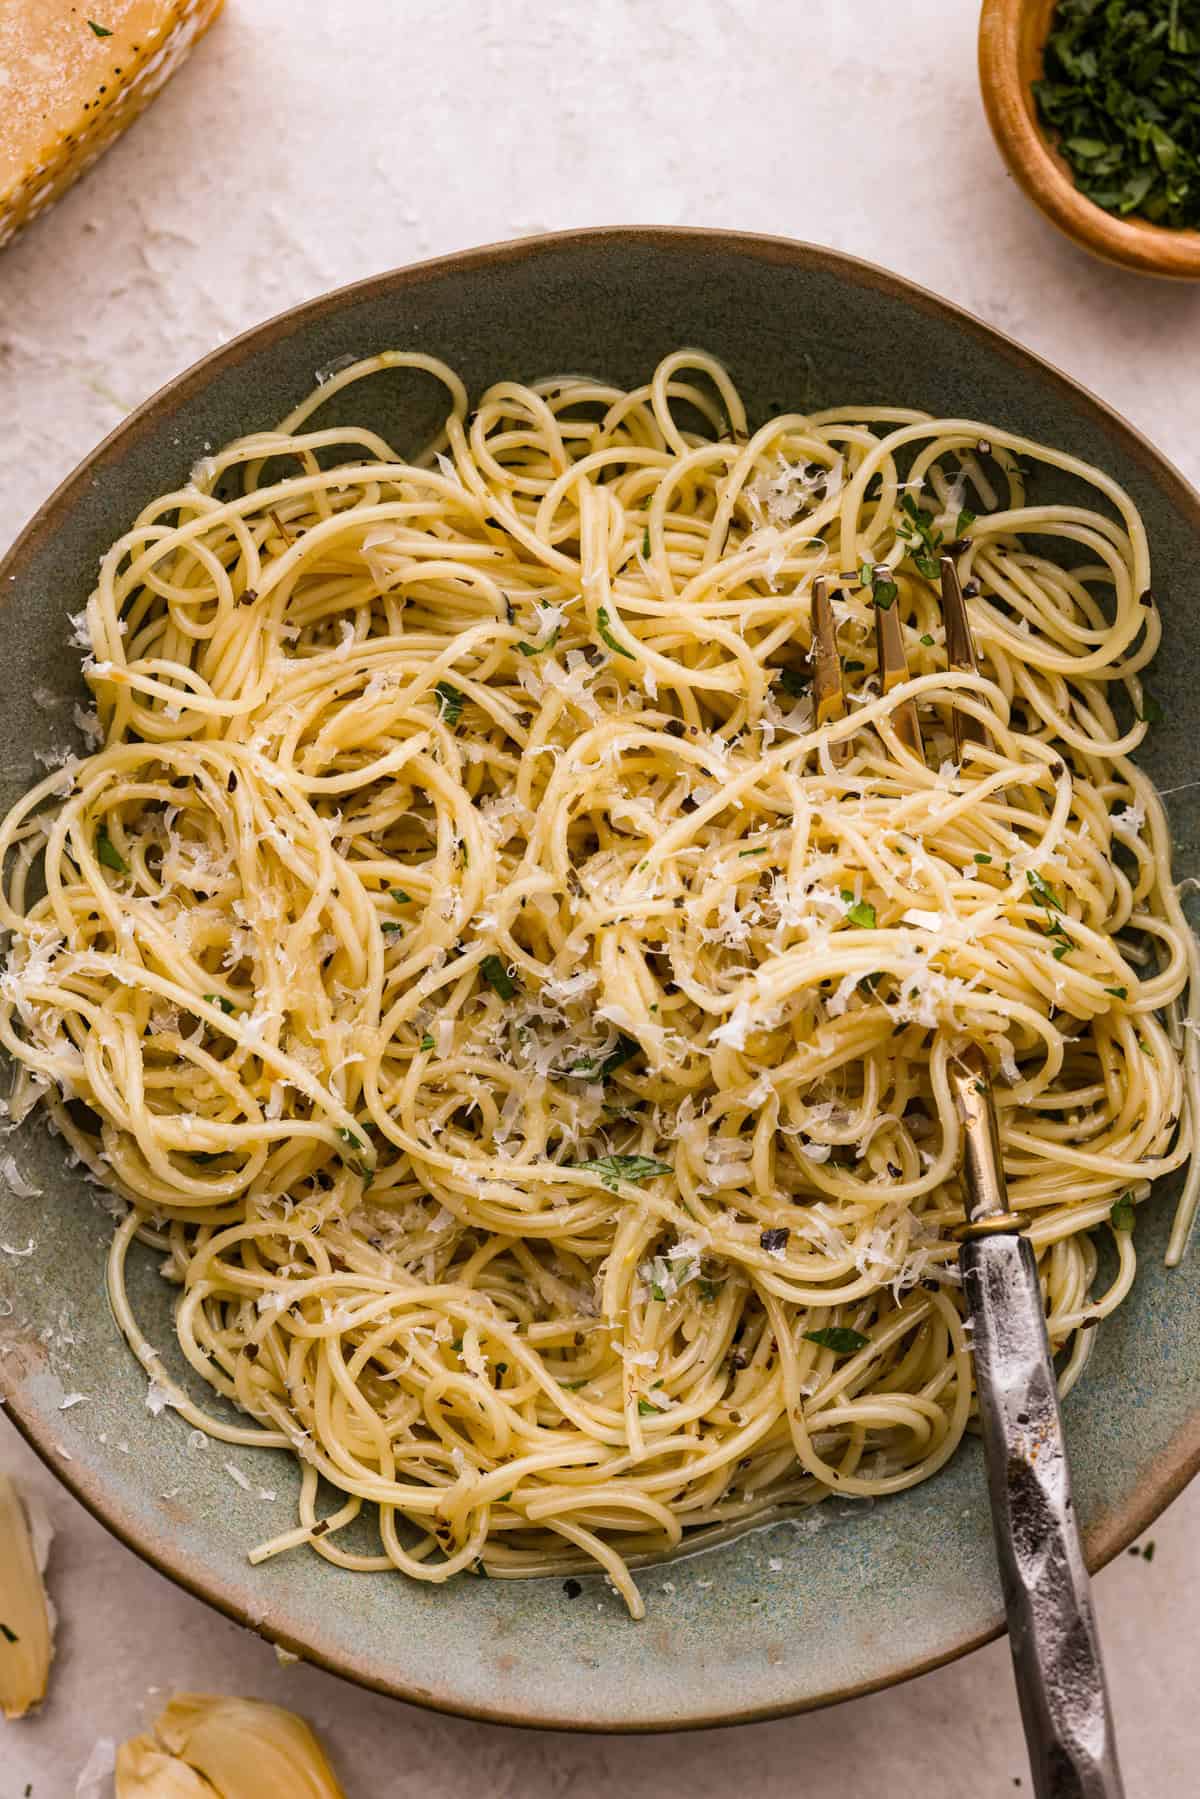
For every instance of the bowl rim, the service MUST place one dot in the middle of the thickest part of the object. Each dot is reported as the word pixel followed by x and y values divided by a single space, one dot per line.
pixel 1044 175
pixel 1161 1481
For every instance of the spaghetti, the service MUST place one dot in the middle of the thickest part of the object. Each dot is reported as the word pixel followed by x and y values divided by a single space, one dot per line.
pixel 525 1044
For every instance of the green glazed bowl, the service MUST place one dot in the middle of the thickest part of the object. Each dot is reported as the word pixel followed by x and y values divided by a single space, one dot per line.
pixel 781 1619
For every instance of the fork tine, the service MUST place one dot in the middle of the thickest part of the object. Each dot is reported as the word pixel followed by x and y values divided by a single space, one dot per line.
pixel 827 665
pixel 893 669
pixel 960 652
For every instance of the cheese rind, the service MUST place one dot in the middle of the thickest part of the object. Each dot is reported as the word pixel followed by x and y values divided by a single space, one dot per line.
pixel 72 78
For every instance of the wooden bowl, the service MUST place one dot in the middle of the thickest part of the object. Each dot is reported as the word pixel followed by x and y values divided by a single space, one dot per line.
pixel 1012 36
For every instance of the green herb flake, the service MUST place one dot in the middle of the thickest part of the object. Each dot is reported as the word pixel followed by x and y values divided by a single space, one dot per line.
pixel 352 1140
pixel 982 858
pixel 1043 894
pixel 427 1040
pixel 920 537
pixel 757 852
pixel 838 1337
pixel 615 1169
pixel 927 640
pixel 963 522
pixel 108 853
pixel 450 703
pixel 646 541
pixel 1151 712
pixel 859 912
pixel 100 30
pixel 401 898
pixel 218 999
pixel 794 682
pixel 883 590
pixel 1122 1214
pixel 1118 992
pixel 496 974
pixel 536 649
pixel 603 626
pixel 648 1409
pixel 10 1636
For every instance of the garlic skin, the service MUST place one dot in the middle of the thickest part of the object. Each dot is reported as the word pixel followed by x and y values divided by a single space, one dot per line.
pixel 26 1615
pixel 209 1746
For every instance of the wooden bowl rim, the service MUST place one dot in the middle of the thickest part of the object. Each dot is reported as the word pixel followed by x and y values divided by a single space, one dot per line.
pixel 1045 175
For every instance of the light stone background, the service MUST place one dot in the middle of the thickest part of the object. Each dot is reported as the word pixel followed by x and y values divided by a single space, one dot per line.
pixel 312 142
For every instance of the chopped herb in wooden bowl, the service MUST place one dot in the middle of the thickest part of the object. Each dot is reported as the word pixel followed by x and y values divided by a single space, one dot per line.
pixel 1121 88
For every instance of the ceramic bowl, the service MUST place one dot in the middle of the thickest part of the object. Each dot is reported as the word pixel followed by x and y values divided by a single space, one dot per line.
pixel 783 1619
pixel 1012 37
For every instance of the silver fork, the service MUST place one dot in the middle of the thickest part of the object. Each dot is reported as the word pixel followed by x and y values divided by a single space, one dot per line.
pixel 1047 1597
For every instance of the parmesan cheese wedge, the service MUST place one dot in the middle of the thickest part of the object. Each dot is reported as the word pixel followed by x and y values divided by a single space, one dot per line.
pixel 72 77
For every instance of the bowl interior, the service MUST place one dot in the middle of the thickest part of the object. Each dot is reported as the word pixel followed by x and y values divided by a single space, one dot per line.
pixel 787 1617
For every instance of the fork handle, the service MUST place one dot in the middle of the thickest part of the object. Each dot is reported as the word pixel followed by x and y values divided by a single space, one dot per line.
pixel 1052 1629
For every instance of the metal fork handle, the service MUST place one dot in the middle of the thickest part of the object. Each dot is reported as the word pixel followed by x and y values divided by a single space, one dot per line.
pixel 1052 1628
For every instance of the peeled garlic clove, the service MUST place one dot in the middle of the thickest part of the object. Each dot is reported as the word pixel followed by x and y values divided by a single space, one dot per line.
pixel 26 1620
pixel 144 1771
pixel 239 1748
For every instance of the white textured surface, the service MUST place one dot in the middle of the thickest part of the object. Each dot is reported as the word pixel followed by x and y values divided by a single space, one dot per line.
pixel 311 142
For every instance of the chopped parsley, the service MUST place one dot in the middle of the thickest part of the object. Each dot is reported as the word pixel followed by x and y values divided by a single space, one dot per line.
pixel 963 521
pixel 761 851
pixel 709 1289
pixel 1118 992
pixel 352 1140
pixel 615 1169
pixel 401 898
pixel 1042 893
pixel 100 30
pixel 646 541
pixel 927 640
pixel 602 625
pixel 1121 87
pixel 218 999
pixel 1122 1213
pixel 921 538
pixel 647 1408
pixel 109 854
pixel 10 1636
pixel 623 1050
pixel 450 703
pixel 794 681
pixel 981 857
pixel 427 1040
pixel 883 588
pixel 497 976
pixel 859 912
pixel 838 1337
pixel 536 649
pixel 1151 712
